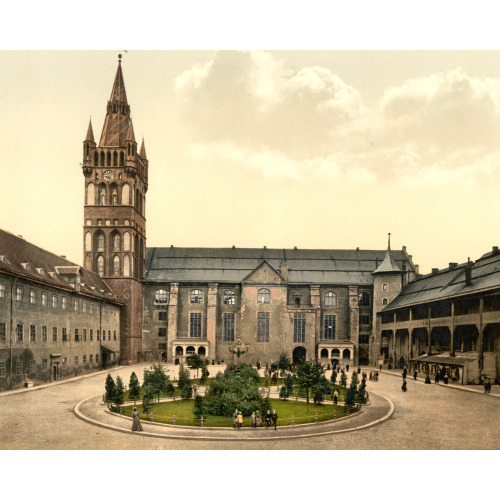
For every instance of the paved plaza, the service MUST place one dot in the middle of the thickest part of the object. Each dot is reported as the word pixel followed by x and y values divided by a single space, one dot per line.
pixel 425 417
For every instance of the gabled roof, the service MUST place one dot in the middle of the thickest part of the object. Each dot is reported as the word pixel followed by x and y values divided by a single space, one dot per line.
pixel 47 268
pixel 264 273
pixel 233 265
pixel 450 283
pixel 388 265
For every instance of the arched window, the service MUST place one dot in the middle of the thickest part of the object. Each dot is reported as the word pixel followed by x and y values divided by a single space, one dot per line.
pixel 116 264
pixel 114 196
pixel 88 242
pixel 263 296
pixel 102 159
pixel 161 297
pixel 96 158
pixel 330 299
pixel 126 266
pixel 100 265
pixel 126 194
pixel 122 159
pixel 90 194
pixel 116 241
pixel 196 297
pixel 115 159
pixel 100 242
pixel 384 302
pixel 108 158
pixel 363 299
pixel 229 298
pixel 102 195
pixel 126 242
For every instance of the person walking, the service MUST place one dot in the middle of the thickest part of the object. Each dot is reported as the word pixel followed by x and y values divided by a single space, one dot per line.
pixel 445 378
pixel 253 419
pixel 274 419
pixel 436 378
pixel 235 418
pixel 136 421
pixel 370 377
pixel 268 419
pixel 404 375
pixel 258 421
pixel 427 379
pixel 335 396
pixel 415 375
pixel 404 387
pixel 347 367
pixel 240 420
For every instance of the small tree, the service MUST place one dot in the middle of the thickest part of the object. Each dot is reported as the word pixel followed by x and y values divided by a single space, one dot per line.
pixel 349 399
pixel 147 398
pixel 119 390
pixel 195 363
pixel 187 391
pixel 204 372
pixel 343 380
pixel 308 374
pixel 183 377
pixel 333 378
pixel 133 387
pixel 284 364
pixel 354 378
pixel 157 379
pixel 199 408
pixel 284 392
pixel 362 391
pixel 110 387
pixel 321 390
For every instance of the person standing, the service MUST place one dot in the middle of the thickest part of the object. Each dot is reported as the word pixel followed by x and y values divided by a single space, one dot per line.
pixel 274 419
pixel 347 367
pixel 415 375
pixel 404 387
pixel 335 396
pixel 436 377
pixel 235 418
pixel 445 378
pixel 136 421
pixel 240 420
pixel 253 419
pixel 258 421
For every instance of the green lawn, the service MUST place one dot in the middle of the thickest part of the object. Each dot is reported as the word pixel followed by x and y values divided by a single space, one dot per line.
pixel 183 411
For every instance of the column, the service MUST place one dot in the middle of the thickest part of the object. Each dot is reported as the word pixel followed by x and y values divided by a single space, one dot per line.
pixel 172 320
pixel 316 304
pixel 211 319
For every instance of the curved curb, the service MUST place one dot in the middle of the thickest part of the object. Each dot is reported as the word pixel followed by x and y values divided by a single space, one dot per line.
pixel 193 437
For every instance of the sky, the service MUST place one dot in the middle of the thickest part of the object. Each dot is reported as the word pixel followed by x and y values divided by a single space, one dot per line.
pixel 314 149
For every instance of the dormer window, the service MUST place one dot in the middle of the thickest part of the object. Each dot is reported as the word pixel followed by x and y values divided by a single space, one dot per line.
pixel 26 266
pixel 4 258
pixel 41 270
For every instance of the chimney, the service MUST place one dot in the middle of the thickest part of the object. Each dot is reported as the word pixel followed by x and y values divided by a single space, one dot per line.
pixel 62 256
pixel 468 273
pixel 494 251
pixel 435 270
pixel 417 269
pixel 452 265
pixel 234 246
pixel 404 248
pixel 295 248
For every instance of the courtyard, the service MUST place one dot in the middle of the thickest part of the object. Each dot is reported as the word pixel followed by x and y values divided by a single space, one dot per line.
pixel 426 417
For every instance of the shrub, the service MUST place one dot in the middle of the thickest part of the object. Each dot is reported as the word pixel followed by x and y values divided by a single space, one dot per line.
pixel 133 387
pixel 110 388
pixel 333 378
pixel 119 390
pixel 187 391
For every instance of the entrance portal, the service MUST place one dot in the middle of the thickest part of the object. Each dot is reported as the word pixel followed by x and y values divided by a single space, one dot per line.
pixel 299 355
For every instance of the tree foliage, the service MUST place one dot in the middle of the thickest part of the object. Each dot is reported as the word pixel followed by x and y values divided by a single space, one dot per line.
pixel 119 391
pixel 110 388
pixel 147 398
pixel 349 398
pixel 159 382
pixel 333 378
pixel 321 389
pixel 307 375
pixel 183 377
pixel 284 364
pixel 133 387
pixel 343 380
pixel 195 363
pixel 199 407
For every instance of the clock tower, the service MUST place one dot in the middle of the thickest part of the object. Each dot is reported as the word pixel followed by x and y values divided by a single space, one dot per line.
pixel 114 232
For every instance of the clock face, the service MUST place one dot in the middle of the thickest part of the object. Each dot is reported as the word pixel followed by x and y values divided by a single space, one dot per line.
pixel 108 175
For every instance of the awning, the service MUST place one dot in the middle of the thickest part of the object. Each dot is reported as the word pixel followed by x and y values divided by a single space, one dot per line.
pixel 55 355
pixel 107 349
pixel 444 360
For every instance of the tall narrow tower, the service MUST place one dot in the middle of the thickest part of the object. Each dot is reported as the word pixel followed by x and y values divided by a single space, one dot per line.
pixel 114 232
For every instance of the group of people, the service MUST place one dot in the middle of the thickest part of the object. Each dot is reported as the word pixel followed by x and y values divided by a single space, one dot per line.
pixel 271 419
pixel 373 376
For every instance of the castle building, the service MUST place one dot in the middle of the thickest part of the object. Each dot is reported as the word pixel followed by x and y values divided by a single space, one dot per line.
pixel 56 318
pixel 114 231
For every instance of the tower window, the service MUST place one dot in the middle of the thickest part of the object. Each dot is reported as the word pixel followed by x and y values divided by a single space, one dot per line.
pixel 90 194
pixel 102 158
pixel 108 158
pixel 196 297
pixel 384 286
pixel 114 107
pixel 161 297
pixel 96 158
pixel 115 197
pixel 229 298
pixel 384 302
pixel 100 242
pixel 115 159
pixel 116 242
pixel 122 159
pixel 263 296
pixel 100 265
pixel 116 264
pixel 102 195
pixel 330 299
pixel 126 266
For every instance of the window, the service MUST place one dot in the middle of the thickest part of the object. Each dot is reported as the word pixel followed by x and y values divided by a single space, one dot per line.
pixel 2 291
pixel 19 294
pixel 91 308
pixel 228 327
pixel 263 296
pixel 330 299
pixel 19 368
pixel 196 297
pixel 102 196
pixel 116 264
pixel 44 364
pixel 64 335
pixel 88 242
pixel 114 334
pixel 263 326
pixel 44 334
pixel 77 336
pixel 364 299
pixel 76 304
pixel 195 325
pixel 32 333
pixel 116 242
pixel 90 194
pixel 3 371
pixel 19 331
pixel 384 286
pixel 364 338
pixel 100 242
pixel 3 335
pixel 114 197
pixel 162 316
pixel 54 300
pixel 97 358
pixel 32 365
pixel 162 332
pixel 329 326
pixel 91 335
pixel 100 265
pixel 161 297
pixel 76 360
pixel 91 358
pixel 63 302
pixel 98 335
pixel 109 335
pixel 44 299
pixel 32 297
pixel 364 319
pixel 84 359
pixel 229 298
pixel 384 302
pixel 54 334
pixel 299 327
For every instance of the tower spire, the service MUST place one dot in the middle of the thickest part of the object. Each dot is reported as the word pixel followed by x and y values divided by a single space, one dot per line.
pixel 388 265
pixel 142 153
pixel 90 133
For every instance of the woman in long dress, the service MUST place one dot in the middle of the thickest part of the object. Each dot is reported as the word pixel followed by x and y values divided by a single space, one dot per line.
pixel 136 424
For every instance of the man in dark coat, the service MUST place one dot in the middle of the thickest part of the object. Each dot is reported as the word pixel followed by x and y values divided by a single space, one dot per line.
pixel 274 419
pixel 268 419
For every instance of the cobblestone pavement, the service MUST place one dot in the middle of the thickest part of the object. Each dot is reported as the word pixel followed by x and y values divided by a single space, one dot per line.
pixel 425 417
